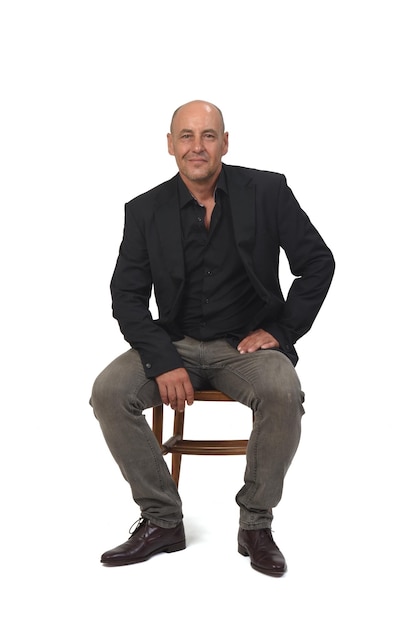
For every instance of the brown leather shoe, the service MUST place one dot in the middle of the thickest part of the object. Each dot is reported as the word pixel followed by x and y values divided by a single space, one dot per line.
pixel 265 556
pixel 146 541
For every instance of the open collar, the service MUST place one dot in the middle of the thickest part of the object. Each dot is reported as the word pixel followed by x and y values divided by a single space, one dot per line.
pixel 241 192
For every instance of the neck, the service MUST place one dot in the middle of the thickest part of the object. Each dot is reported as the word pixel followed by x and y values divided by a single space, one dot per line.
pixel 203 195
pixel 202 190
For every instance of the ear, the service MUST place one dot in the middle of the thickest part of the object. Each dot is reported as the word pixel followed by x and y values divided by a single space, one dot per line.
pixel 225 143
pixel 170 144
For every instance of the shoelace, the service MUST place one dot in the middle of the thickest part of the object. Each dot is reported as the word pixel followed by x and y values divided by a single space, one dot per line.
pixel 136 525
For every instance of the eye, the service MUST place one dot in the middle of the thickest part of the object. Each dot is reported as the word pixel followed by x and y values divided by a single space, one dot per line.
pixel 186 136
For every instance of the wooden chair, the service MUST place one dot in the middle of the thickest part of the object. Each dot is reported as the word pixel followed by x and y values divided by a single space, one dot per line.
pixel 177 445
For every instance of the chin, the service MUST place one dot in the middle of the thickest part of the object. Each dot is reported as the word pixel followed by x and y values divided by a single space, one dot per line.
pixel 198 175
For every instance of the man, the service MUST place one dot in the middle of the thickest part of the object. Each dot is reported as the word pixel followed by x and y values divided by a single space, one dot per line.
pixel 208 242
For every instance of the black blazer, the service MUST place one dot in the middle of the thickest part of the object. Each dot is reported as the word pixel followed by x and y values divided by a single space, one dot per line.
pixel 266 217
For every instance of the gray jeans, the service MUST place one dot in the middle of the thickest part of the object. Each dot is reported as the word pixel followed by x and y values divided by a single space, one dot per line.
pixel 265 381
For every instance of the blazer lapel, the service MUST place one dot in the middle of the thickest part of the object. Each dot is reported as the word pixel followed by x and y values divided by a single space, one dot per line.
pixel 168 225
pixel 242 205
pixel 241 190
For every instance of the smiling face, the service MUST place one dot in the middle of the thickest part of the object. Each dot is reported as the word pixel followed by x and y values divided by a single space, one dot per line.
pixel 197 141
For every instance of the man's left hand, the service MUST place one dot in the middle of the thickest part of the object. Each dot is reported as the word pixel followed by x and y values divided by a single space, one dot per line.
pixel 257 340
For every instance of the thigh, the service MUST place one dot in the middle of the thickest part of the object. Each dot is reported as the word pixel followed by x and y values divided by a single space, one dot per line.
pixel 249 378
pixel 124 380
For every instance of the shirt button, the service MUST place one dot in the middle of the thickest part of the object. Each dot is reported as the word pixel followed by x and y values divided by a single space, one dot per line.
pixel 148 366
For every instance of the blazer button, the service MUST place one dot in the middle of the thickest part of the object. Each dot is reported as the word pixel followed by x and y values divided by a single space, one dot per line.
pixel 148 366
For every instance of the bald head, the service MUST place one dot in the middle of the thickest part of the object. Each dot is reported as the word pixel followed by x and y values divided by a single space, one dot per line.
pixel 198 105
pixel 198 142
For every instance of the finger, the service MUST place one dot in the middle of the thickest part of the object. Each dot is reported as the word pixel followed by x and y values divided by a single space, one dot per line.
pixel 254 347
pixel 257 344
pixel 189 392
pixel 268 344
pixel 244 345
pixel 163 392
pixel 185 394
pixel 180 399
pixel 172 396
pixel 250 344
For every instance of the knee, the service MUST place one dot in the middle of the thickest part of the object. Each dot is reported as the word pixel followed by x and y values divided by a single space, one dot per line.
pixel 101 393
pixel 279 383
pixel 109 393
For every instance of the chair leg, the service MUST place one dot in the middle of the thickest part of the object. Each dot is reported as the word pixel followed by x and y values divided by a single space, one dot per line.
pixel 157 422
pixel 177 457
pixel 178 432
pixel 176 467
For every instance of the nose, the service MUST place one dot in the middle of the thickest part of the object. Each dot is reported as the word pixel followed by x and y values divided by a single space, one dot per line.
pixel 198 145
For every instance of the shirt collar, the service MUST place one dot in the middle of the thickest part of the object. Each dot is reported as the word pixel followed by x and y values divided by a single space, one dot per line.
pixel 185 196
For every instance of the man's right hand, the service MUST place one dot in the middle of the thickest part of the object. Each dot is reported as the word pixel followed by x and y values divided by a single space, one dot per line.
pixel 175 388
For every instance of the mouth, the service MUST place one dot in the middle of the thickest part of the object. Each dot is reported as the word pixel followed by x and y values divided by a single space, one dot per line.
pixel 196 160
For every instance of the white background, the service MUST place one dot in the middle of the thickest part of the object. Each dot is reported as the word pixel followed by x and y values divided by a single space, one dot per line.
pixel 321 91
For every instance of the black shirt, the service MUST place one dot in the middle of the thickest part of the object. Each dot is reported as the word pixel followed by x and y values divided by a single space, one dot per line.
pixel 219 300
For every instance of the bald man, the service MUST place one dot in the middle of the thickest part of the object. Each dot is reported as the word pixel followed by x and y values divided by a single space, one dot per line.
pixel 208 242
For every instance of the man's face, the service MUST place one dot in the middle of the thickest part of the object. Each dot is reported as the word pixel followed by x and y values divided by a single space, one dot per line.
pixel 198 142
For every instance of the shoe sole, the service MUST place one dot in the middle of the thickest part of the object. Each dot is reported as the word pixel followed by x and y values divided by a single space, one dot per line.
pixel 175 547
pixel 268 572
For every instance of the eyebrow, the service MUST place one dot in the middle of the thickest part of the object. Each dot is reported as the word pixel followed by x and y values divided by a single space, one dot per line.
pixel 206 130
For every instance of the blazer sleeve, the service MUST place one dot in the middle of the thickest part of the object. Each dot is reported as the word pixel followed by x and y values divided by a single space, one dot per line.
pixel 311 262
pixel 131 288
